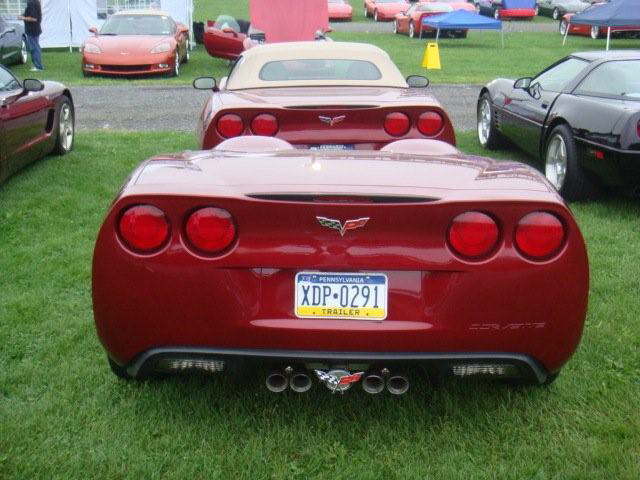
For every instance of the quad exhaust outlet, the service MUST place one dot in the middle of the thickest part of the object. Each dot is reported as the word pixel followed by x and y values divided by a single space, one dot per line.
pixel 375 382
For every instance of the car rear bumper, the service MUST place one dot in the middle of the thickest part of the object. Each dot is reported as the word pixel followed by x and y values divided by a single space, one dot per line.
pixel 486 364
pixel 517 13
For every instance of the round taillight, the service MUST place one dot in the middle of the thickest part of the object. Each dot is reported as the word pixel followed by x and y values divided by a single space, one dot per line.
pixel 430 123
pixel 143 228
pixel 264 124
pixel 473 235
pixel 210 229
pixel 539 235
pixel 397 124
pixel 230 125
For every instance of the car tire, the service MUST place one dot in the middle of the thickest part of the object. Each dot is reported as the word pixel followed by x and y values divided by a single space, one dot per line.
pixel 462 34
pixel 395 26
pixel 562 27
pixel 366 12
pixel 562 166
pixel 176 67
pixel 536 11
pixel 556 14
pixel 496 14
pixel 478 10
pixel 118 371
pixel 65 128
pixel 375 16
pixel 412 30
pixel 24 53
pixel 488 135
pixel 187 54
pixel 594 32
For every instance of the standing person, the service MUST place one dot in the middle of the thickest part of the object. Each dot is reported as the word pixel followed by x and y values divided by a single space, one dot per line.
pixel 32 19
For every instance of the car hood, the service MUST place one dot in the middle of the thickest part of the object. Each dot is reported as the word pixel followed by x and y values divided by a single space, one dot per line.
pixel 295 172
pixel 128 44
pixel 324 96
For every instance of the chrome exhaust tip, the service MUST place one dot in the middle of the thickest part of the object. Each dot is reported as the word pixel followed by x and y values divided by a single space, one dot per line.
pixel 277 382
pixel 300 382
pixel 398 384
pixel 373 384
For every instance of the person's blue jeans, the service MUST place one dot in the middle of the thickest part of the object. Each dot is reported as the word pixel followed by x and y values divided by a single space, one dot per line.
pixel 33 43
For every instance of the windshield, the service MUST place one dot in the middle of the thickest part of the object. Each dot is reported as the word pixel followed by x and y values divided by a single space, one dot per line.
pixel 226 22
pixel 319 69
pixel 138 25
pixel 7 81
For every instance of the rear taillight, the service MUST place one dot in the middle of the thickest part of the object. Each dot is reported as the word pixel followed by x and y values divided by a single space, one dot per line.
pixel 397 124
pixel 473 235
pixel 230 125
pixel 539 235
pixel 143 228
pixel 210 230
pixel 264 124
pixel 430 123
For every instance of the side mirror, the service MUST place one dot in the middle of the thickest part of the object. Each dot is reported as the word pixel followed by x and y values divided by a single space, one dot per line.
pixel 32 85
pixel 205 83
pixel 417 81
pixel 93 30
pixel 523 83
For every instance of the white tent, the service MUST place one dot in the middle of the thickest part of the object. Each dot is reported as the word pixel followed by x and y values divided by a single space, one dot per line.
pixel 65 23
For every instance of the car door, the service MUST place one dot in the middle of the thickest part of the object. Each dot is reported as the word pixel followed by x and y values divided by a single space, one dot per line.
pixel 525 110
pixel 23 119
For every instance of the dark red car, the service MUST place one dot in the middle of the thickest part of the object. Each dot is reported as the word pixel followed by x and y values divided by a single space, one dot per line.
pixel 348 266
pixel 321 95
pixel 36 118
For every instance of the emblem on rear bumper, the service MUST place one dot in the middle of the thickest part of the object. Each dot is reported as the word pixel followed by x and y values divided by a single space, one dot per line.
pixel 332 121
pixel 342 228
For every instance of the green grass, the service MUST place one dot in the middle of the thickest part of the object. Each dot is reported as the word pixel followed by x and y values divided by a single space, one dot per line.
pixel 64 415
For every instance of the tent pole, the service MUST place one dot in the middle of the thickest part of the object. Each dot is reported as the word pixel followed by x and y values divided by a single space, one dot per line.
pixel 437 35
pixel 608 36
pixel 70 28
pixel 566 32
pixel 502 36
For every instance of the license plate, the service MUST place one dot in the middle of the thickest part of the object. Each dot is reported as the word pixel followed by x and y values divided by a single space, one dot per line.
pixel 350 296
pixel 332 146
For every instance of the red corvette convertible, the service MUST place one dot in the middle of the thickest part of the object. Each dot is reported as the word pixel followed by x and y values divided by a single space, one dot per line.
pixel 339 10
pixel 410 22
pixel 319 95
pixel 384 10
pixel 136 42
pixel 345 266
pixel 36 118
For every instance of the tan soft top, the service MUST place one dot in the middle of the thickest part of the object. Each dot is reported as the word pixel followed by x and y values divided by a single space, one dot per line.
pixel 246 73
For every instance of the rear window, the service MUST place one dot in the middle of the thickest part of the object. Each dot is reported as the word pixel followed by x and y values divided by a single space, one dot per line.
pixel 618 79
pixel 319 69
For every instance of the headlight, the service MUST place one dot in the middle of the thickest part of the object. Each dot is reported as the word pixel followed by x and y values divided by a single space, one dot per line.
pixel 161 48
pixel 91 48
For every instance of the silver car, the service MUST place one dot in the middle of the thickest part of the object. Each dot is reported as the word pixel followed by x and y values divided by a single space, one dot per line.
pixel 13 43
pixel 557 8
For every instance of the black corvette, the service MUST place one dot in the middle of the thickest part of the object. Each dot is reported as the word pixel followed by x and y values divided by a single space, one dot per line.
pixel 581 116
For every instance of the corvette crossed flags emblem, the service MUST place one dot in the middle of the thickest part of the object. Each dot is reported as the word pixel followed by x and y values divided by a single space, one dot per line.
pixel 343 227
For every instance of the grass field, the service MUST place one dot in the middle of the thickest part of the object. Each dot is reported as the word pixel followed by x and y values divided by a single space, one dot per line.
pixel 64 415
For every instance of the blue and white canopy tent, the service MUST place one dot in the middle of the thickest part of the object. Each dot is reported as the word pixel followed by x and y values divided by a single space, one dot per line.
pixel 462 20
pixel 617 13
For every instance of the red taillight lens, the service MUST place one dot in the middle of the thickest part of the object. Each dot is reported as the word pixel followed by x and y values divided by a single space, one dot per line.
pixel 539 235
pixel 397 124
pixel 210 229
pixel 430 123
pixel 264 124
pixel 473 235
pixel 144 228
pixel 230 125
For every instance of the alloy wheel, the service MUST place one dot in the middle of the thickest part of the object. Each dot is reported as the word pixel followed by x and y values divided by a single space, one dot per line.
pixel 395 26
pixel 176 69
pixel 412 32
pixel 496 14
pixel 595 32
pixel 484 122
pixel 66 130
pixel 556 14
pixel 555 168
pixel 563 27
pixel 375 15
pixel 24 53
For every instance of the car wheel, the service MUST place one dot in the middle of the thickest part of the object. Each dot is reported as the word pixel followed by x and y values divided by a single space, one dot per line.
pixel 395 26
pixel 496 14
pixel 556 14
pixel 595 32
pixel 536 11
pixel 375 15
pixel 187 54
pixel 478 8
pixel 366 12
pixel 24 53
pixel 118 371
pixel 488 136
pixel 562 167
pixel 176 67
pixel 65 134
pixel 563 28
pixel 412 30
